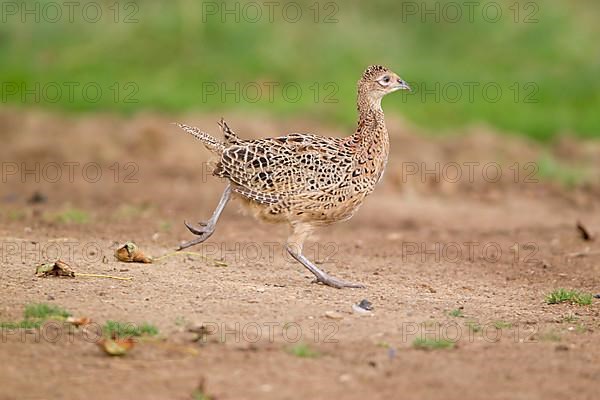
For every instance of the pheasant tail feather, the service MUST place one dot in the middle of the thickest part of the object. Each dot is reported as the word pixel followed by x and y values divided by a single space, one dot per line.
pixel 209 141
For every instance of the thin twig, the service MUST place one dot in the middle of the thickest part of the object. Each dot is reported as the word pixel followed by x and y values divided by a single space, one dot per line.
pixel 583 254
pixel 103 276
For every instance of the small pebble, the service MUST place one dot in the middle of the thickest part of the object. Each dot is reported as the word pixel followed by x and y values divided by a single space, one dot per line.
pixel 366 305
pixel 597 296
pixel 360 310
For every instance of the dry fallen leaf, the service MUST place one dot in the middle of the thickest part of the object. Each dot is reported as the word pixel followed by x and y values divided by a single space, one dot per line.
pixel 58 268
pixel 78 321
pixel 116 347
pixel 129 252
pixel 61 268
pixel 584 232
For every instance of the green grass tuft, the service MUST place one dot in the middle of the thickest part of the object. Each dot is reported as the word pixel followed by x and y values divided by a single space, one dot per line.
pixel 303 351
pixel 71 215
pixel 35 315
pixel 569 296
pixel 121 329
pixel 432 344
pixel 200 395
pixel 456 313
pixel 473 326
pixel 502 325
pixel 44 311
pixel 570 318
pixel 16 215
pixel 551 169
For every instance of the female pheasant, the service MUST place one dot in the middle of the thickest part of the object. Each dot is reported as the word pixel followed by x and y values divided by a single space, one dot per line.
pixel 303 179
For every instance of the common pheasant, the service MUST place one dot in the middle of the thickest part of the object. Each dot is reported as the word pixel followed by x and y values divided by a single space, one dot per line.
pixel 301 179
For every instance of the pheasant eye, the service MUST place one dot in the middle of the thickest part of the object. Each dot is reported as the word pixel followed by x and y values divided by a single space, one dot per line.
pixel 384 80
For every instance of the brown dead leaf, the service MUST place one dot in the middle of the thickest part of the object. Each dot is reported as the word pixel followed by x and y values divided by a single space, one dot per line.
pixel 81 321
pixel 116 347
pixel 58 268
pixel 584 232
pixel 129 252
pixel 201 332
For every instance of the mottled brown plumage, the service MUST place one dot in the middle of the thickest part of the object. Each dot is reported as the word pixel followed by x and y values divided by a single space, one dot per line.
pixel 303 179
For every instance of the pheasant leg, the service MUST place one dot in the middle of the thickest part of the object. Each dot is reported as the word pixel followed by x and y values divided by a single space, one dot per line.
pixel 320 275
pixel 206 229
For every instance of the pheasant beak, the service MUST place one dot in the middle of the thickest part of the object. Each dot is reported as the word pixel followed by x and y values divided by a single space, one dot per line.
pixel 402 85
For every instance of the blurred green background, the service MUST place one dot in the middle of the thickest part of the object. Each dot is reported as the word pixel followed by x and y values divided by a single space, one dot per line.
pixel 184 55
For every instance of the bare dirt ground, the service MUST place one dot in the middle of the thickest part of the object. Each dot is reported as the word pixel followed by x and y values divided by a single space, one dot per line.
pixel 469 259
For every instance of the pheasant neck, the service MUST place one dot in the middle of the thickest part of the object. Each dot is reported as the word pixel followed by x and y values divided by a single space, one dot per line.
pixel 371 141
pixel 371 133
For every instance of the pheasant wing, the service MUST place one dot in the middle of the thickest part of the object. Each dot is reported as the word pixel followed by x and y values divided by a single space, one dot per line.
pixel 268 170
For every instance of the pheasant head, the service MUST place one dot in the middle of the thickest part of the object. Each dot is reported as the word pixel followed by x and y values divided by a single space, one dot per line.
pixel 377 81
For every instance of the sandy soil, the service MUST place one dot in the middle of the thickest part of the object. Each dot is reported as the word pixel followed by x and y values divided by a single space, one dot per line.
pixel 424 244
